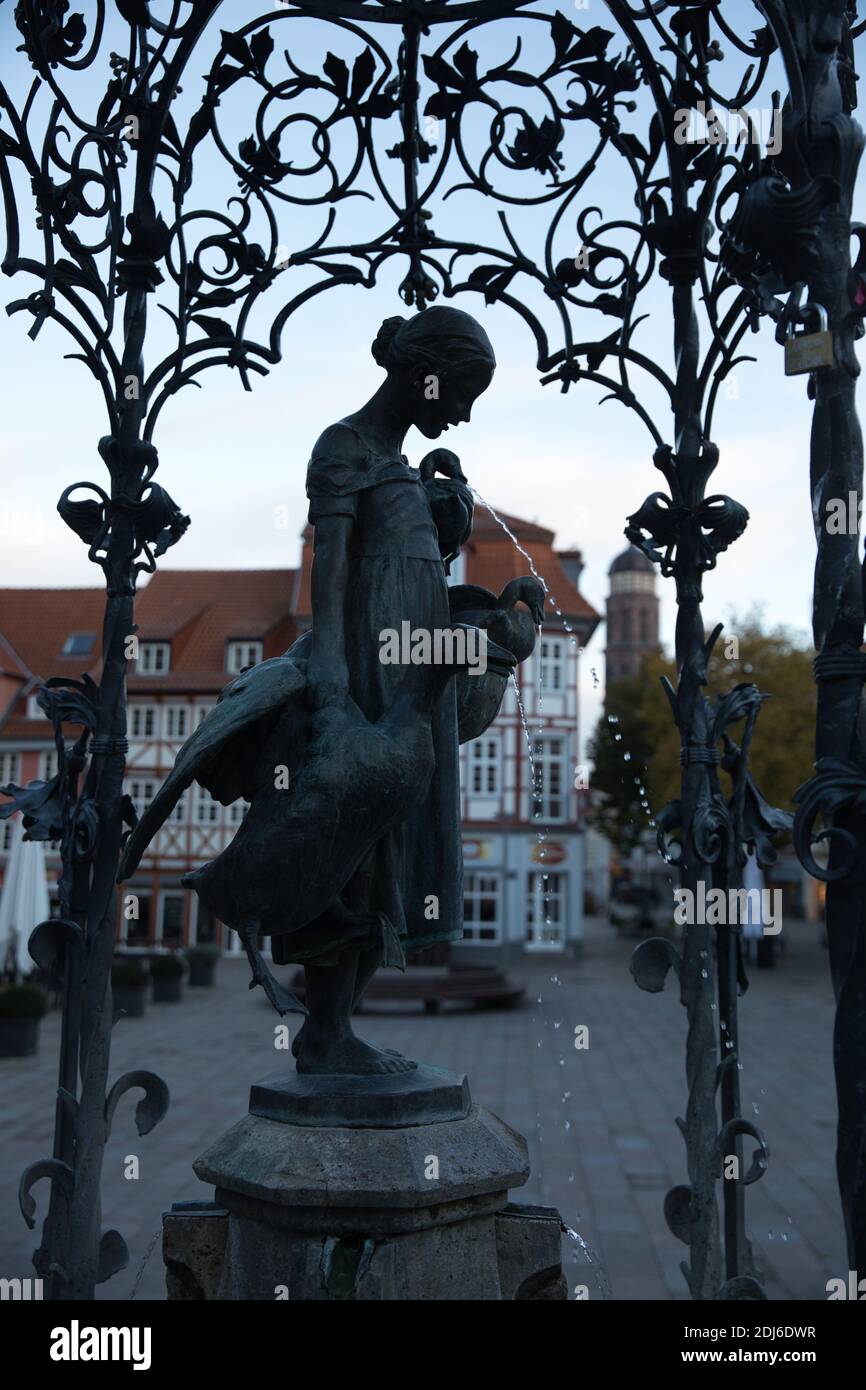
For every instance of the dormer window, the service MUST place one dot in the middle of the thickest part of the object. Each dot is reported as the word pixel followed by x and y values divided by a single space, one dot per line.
pixel 34 710
pixel 241 654
pixel 154 659
pixel 79 644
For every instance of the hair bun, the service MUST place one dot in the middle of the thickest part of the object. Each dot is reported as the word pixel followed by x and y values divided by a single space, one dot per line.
pixel 382 345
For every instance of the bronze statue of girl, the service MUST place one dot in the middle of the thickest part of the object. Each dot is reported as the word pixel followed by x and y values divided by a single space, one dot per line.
pixel 377 563
pixel 360 859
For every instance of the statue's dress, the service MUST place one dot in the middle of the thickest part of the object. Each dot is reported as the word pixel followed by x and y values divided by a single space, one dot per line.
pixel 414 875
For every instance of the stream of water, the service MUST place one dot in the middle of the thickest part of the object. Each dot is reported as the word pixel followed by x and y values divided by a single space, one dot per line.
pixel 589 1254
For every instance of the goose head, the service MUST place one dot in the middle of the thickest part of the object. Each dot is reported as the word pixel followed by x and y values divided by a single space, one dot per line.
pixel 528 590
pixel 443 461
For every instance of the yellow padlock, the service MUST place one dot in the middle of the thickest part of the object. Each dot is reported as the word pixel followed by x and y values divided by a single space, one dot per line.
pixel 809 352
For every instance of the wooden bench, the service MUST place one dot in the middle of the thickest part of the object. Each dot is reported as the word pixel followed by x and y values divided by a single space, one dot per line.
pixel 485 988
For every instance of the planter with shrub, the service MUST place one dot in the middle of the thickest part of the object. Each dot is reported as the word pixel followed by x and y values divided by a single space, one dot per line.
pixel 202 965
pixel 21 1007
pixel 129 989
pixel 167 975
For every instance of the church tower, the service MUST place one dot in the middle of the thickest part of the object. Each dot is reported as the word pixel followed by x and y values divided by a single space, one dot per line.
pixel 632 614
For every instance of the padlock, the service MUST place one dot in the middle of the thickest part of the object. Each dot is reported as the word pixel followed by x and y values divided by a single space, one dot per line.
pixel 809 352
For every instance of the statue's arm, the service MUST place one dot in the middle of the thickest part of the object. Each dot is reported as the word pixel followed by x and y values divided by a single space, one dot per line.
pixel 327 664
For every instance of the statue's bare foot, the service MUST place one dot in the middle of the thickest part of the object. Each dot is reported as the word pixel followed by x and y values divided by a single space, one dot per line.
pixel 297 1044
pixel 347 1056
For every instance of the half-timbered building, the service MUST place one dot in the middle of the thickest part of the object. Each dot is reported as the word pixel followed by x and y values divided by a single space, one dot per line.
pixel 199 628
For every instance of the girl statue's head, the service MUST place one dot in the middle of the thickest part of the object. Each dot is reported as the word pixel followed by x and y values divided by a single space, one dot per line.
pixel 442 359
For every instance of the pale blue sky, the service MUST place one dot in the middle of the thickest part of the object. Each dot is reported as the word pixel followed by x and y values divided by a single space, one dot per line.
pixel 233 459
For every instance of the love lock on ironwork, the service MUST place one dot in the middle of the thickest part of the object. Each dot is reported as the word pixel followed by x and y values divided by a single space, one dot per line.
pixel 809 352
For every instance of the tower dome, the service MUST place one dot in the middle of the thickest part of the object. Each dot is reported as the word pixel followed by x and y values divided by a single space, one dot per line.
pixel 632 559
pixel 632 613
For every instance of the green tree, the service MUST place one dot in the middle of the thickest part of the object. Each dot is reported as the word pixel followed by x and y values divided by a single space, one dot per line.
pixel 646 753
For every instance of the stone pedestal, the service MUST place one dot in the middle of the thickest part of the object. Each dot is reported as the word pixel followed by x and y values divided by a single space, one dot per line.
pixel 377 1200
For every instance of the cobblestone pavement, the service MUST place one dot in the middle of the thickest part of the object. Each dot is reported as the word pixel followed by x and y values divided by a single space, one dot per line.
pixel 600 1123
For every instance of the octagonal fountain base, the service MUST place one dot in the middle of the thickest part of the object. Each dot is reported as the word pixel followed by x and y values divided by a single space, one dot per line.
pixel 402 1207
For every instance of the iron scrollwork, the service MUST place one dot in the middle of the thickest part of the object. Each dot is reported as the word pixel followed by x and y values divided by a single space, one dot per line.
pixel 507 103
pixel 807 193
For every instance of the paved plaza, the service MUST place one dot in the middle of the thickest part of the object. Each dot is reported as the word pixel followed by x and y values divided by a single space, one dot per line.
pixel 600 1123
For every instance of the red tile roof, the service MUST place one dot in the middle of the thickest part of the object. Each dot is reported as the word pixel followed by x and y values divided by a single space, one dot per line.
pixel 200 611
pixel 10 662
pixel 484 525
pixel 35 624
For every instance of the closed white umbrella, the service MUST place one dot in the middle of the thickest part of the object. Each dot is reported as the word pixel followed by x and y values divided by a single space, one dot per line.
pixel 753 878
pixel 24 901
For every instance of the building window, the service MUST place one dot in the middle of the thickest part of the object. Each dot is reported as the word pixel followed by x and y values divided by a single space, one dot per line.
pixel 176 721
pixel 142 721
pixel 170 928
pixel 236 812
pixel 48 764
pixel 644 625
pixel 201 711
pixel 142 790
pixel 34 709
pixel 79 644
pixel 178 815
pixel 550 801
pixel 207 810
pixel 10 766
pixel 485 761
pixel 241 654
pixel 552 663
pixel 7 830
pixel 154 659
pixel 545 910
pixel 482 908
pixel 636 582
